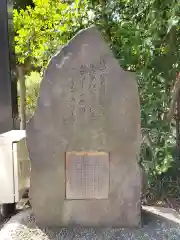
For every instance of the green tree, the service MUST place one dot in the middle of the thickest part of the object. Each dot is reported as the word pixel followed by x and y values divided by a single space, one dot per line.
pixel 40 31
pixel 145 37
pixel 43 29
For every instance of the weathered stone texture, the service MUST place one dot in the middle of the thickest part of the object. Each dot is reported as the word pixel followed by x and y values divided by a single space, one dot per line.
pixel 87 103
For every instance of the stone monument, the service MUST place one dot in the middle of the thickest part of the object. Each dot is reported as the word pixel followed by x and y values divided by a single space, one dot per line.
pixel 84 139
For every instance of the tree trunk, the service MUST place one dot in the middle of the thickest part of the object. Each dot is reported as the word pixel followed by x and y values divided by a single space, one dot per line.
pixel 177 122
pixel 22 85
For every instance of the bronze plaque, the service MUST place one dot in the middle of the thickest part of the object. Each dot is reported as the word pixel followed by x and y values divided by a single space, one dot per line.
pixel 87 175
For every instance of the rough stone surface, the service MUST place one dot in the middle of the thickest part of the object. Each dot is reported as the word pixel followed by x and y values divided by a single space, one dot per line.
pixel 87 103
pixel 23 227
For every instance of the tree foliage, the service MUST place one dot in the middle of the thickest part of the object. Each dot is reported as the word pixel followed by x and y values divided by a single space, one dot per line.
pixel 144 36
pixel 41 30
pixel 32 92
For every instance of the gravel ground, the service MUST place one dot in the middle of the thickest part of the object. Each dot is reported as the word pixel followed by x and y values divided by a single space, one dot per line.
pixel 23 227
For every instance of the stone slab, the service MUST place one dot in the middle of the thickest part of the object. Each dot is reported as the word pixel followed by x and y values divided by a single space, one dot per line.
pixel 87 103
pixel 163 213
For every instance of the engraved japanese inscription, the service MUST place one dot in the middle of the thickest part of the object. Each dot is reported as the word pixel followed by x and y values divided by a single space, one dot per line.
pixel 90 88
pixel 87 175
